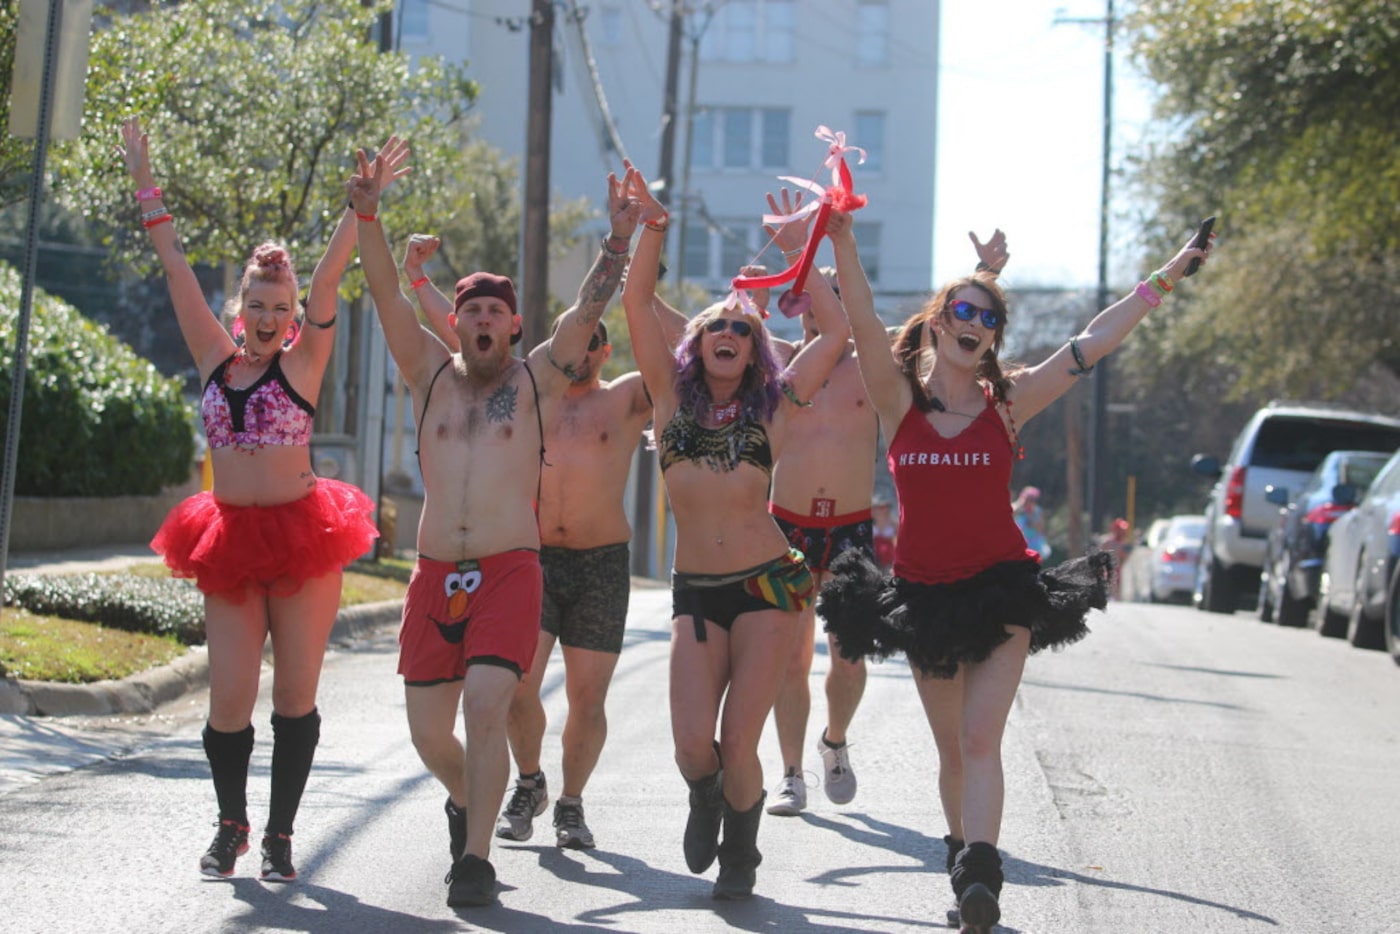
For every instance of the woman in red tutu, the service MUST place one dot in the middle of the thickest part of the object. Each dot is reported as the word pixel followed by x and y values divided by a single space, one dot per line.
pixel 267 546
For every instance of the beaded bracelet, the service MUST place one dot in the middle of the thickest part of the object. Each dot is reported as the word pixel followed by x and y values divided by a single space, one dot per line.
pixel 418 283
pixel 148 194
pixel 1148 294
pixel 1161 283
pixel 156 221
pixel 325 326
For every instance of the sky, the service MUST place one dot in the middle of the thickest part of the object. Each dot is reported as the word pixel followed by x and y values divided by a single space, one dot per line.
pixel 1020 139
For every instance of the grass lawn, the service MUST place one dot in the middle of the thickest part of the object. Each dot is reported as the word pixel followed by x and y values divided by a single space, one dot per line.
pixel 48 648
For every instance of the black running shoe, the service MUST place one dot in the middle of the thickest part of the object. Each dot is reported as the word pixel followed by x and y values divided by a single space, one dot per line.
pixel 472 883
pixel 277 858
pixel 229 843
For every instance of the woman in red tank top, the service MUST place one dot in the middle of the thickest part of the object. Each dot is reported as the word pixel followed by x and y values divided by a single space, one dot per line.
pixel 967 600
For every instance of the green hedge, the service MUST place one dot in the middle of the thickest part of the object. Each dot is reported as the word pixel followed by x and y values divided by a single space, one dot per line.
pixel 155 605
pixel 98 420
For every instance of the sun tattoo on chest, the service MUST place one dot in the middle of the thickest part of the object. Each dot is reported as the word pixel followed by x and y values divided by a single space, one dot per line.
pixel 500 406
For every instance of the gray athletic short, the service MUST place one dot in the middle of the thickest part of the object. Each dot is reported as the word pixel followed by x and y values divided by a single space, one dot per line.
pixel 585 595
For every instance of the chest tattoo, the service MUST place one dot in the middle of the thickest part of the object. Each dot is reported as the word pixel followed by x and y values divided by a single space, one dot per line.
pixel 500 407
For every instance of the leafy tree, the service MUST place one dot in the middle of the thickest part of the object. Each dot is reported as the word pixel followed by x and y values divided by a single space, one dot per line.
pixel 1280 118
pixel 254 108
pixel 16 155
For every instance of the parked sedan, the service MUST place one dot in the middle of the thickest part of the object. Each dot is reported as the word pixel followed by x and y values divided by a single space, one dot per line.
pixel 1173 560
pixel 1361 562
pixel 1298 543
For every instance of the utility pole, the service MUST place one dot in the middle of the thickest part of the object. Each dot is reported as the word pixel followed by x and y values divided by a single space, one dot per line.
pixel 665 172
pixel 1098 419
pixel 534 247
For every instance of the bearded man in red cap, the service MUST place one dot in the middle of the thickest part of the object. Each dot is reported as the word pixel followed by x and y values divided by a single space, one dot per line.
pixel 471 617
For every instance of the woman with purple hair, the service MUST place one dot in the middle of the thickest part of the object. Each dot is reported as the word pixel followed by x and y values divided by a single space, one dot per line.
pixel 722 402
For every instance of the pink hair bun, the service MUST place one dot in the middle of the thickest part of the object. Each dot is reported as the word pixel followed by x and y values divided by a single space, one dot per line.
pixel 272 256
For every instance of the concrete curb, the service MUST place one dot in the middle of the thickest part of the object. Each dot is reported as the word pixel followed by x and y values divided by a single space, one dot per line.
pixel 147 690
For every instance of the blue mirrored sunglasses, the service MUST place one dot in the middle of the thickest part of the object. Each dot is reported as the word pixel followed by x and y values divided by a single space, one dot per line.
pixel 966 311
pixel 740 328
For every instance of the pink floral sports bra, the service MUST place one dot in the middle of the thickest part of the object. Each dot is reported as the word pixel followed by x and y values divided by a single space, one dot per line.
pixel 267 412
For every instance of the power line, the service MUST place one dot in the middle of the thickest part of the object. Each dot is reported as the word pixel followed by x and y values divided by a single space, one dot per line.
pixel 595 80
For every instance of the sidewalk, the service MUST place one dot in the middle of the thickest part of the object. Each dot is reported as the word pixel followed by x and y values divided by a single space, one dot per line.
pixel 144 692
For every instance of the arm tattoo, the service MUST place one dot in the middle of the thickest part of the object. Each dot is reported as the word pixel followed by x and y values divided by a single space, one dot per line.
pixel 599 286
pixel 500 407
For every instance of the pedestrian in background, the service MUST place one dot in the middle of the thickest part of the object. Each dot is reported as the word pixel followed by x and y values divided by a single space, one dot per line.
pixel 967 601
pixel 723 407
pixel 267 544
pixel 1030 519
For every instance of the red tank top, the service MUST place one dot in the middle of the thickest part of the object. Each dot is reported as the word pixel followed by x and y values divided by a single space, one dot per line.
pixel 954 499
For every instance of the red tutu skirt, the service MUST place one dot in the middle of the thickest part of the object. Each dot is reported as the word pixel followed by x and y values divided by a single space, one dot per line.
pixel 275 549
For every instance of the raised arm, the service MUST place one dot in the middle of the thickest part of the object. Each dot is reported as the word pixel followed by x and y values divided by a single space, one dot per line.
pixel 434 304
pixel 565 350
pixel 814 362
pixel 324 296
pixel 650 345
pixel 416 352
pixel 992 256
pixel 884 382
pixel 205 337
pixel 1041 385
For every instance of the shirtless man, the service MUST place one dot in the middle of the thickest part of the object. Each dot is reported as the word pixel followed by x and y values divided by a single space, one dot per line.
pixel 587 580
pixel 823 486
pixel 472 612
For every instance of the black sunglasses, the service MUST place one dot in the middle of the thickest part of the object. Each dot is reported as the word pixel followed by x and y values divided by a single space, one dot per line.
pixel 966 311
pixel 740 328
pixel 594 342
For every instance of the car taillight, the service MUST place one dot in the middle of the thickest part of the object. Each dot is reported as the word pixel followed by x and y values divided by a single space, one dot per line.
pixel 1234 494
pixel 1178 555
pixel 1394 527
pixel 1325 514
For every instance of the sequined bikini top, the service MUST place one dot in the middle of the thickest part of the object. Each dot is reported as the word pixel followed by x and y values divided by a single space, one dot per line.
pixel 740 441
pixel 267 412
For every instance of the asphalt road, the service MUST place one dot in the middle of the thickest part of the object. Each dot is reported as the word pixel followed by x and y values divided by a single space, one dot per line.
pixel 1177 771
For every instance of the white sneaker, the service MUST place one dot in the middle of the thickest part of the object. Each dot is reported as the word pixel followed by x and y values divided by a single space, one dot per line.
pixel 790 797
pixel 838 781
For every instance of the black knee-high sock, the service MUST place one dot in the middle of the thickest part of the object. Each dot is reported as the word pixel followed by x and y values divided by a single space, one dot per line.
pixel 228 755
pixel 293 747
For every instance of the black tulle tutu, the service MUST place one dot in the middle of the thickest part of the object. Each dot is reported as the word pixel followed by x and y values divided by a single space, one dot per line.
pixel 939 626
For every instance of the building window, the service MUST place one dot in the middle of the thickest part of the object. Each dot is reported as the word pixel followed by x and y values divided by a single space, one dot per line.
pixel 740 138
pixel 873 32
pixel 751 31
pixel 867 236
pixel 716 249
pixel 695 264
pixel 736 247
pixel 870 136
pixel 413 20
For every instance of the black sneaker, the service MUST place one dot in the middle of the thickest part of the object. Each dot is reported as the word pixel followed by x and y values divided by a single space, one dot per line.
pixel 277 858
pixel 456 829
pixel 528 801
pixel 229 843
pixel 570 831
pixel 472 883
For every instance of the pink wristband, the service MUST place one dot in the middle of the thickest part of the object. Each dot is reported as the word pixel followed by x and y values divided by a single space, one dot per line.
pixel 148 194
pixel 418 282
pixel 1148 294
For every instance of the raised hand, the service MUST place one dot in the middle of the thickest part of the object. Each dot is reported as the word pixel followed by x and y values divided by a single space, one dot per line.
pixel 1176 269
pixel 420 249
pixel 791 237
pixel 364 186
pixel 762 294
pixel 395 154
pixel 624 211
pixel 650 211
pixel 135 152
pixel 993 254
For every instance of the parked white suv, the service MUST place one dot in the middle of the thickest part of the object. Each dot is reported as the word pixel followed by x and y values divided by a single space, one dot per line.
pixel 1281 445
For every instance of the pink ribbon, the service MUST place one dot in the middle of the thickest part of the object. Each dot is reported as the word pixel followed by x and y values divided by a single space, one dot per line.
pixel 838 196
